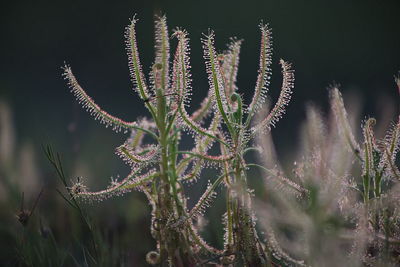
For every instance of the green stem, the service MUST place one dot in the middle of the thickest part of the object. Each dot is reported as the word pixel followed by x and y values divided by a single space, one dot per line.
pixel 217 90
pixel 174 178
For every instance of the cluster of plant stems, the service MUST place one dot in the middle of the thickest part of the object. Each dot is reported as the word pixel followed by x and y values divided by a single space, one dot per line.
pixel 160 169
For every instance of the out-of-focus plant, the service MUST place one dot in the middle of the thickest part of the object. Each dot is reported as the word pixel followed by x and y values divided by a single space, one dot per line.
pixel 18 167
pixel 159 168
pixel 26 239
pixel 349 214
pixel 378 185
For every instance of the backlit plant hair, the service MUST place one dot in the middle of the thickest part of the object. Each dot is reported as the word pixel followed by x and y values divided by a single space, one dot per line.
pixel 160 168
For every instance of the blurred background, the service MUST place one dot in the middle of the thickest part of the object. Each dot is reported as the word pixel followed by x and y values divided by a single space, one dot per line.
pixel 353 43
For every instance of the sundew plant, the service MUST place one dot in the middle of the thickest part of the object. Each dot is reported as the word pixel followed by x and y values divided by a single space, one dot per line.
pixel 338 205
pixel 159 168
